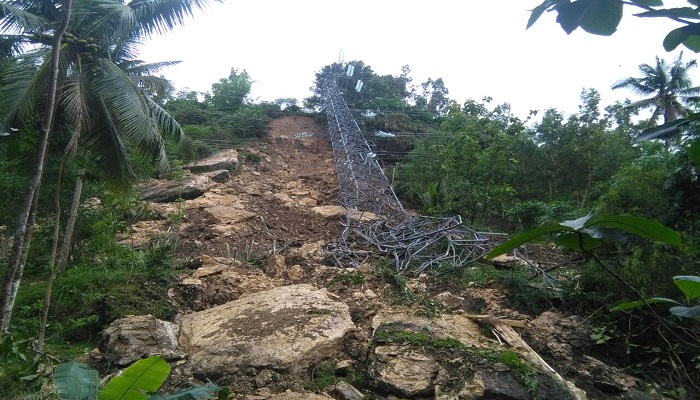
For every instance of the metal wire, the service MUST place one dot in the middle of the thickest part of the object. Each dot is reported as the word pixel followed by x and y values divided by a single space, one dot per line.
pixel 415 243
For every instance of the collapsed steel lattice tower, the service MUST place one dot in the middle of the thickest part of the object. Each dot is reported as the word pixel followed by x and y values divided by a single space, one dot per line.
pixel 362 183
pixel 416 243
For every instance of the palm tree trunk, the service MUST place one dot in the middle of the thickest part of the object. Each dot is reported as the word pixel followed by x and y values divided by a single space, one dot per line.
pixel 70 224
pixel 58 266
pixel 15 268
pixel 14 285
pixel 52 265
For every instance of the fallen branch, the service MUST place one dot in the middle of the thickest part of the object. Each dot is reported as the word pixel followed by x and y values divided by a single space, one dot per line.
pixel 515 341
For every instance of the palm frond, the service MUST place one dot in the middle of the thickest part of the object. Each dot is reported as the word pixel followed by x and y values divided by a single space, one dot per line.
pixel 138 67
pixel 23 89
pixel 102 142
pixel 167 125
pixel 17 17
pixel 154 84
pixel 132 112
pixel 75 104
pixel 12 45
pixel 161 16
pixel 634 84
pixel 646 103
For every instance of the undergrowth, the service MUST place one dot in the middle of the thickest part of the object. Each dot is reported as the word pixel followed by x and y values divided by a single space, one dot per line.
pixel 402 294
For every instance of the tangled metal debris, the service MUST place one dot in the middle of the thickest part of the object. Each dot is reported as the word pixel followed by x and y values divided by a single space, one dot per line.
pixel 416 243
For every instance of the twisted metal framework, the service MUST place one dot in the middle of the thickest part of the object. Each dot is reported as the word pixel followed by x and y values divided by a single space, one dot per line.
pixel 362 183
pixel 416 243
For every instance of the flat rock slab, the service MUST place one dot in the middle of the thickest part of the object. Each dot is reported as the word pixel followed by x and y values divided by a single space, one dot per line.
pixel 453 326
pixel 288 328
pixel 166 191
pixel 227 159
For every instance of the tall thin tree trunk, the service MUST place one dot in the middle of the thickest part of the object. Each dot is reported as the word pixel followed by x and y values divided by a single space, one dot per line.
pixel 52 265
pixel 6 239
pixel 58 267
pixel 14 286
pixel 15 268
pixel 70 224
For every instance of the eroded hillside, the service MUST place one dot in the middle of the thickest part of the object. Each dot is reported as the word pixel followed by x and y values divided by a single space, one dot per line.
pixel 265 312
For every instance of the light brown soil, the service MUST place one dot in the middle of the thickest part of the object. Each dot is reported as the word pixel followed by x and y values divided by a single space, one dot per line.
pixel 293 175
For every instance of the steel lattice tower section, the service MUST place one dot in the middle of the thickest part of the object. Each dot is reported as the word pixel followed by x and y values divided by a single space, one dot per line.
pixel 361 181
pixel 416 243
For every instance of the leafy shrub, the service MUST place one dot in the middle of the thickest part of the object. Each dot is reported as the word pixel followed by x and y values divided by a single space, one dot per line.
pixel 249 156
pixel 531 214
pixel 90 296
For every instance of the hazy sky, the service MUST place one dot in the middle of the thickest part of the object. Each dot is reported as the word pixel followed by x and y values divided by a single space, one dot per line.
pixel 479 48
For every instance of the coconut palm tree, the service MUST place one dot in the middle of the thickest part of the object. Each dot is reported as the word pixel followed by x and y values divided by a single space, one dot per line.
pixel 668 85
pixel 99 100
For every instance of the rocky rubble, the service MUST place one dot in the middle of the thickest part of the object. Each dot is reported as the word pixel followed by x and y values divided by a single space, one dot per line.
pixel 264 314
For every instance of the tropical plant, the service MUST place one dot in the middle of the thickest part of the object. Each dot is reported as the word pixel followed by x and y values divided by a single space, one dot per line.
pixel 140 381
pixel 689 308
pixel 669 86
pixel 104 108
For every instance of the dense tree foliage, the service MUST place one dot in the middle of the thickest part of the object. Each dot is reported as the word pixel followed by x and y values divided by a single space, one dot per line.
pixel 384 102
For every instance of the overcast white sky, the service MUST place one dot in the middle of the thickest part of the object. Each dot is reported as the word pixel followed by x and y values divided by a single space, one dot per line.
pixel 479 48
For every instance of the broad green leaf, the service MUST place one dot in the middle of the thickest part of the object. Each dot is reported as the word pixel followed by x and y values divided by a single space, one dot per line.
pixel 537 12
pixel 76 381
pixel 570 15
pixel 617 235
pixel 689 285
pixel 525 237
pixel 666 131
pixel 577 241
pixel 692 42
pixel 639 226
pixel 634 304
pixel 685 312
pixel 680 35
pixel 144 376
pixel 674 38
pixel 602 17
pixel 681 12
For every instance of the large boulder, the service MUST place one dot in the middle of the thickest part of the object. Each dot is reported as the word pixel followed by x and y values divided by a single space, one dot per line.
pixel 404 370
pixel 166 191
pixel 128 339
pixel 227 159
pixel 288 328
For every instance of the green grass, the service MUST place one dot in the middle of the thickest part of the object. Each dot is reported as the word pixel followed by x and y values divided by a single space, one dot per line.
pixel 349 279
pixel 325 374
pixel 525 373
